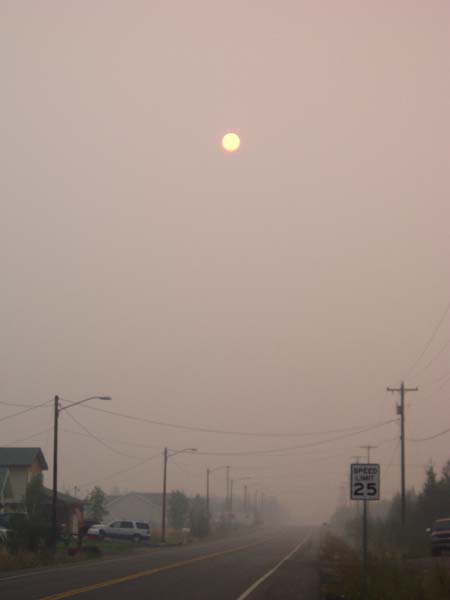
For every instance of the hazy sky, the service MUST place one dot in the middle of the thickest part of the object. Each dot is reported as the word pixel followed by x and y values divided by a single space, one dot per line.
pixel 278 289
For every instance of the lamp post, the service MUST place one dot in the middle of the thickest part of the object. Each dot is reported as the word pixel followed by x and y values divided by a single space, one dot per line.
pixel 166 458
pixel 57 410
pixel 233 481
pixel 208 477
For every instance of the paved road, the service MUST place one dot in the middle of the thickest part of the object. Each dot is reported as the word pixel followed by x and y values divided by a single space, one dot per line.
pixel 221 570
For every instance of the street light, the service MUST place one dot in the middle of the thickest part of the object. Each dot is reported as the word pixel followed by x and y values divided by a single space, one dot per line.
pixel 231 489
pixel 58 409
pixel 166 458
pixel 208 474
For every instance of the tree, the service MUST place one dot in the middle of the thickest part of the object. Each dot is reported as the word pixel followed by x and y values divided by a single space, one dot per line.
pixel 30 532
pixel 429 498
pixel 199 517
pixel 178 509
pixel 96 504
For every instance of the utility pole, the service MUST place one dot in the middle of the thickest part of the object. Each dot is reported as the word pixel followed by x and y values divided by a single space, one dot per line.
pixel 208 490
pixel 208 473
pixel 57 410
pixel 231 495
pixel 55 471
pixel 358 506
pixel 401 411
pixel 245 499
pixel 227 501
pixel 163 523
pixel 166 458
pixel 368 448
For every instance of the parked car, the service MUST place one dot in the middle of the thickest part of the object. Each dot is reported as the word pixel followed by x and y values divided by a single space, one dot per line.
pixel 440 536
pixel 8 522
pixel 124 530
pixel 87 524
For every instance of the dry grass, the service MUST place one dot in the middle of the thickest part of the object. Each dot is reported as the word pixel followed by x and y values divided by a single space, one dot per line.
pixel 388 579
pixel 21 560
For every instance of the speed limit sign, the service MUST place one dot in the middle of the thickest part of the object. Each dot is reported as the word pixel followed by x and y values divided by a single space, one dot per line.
pixel 365 481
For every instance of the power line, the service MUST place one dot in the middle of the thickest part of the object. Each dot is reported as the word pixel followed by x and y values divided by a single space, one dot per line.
pixel 22 412
pixel 435 356
pixel 430 341
pixel 127 470
pixel 221 431
pixel 392 459
pixel 430 437
pixel 276 451
pixel 30 437
pixel 100 441
pixel 134 444
pixel 18 404
pixel 445 377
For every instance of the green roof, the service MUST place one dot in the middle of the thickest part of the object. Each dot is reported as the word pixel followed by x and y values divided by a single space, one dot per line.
pixel 22 457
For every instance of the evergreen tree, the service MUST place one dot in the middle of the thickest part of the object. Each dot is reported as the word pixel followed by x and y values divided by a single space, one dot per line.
pixel 199 517
pixel 96 503
pixel 178 509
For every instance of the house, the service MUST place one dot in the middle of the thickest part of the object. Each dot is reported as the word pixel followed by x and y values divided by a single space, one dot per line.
pixel 135 506
pixel 69 511
pixel 17 468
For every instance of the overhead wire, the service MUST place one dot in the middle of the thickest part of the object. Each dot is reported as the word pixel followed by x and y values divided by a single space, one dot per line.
pixel 430 340
pixel 99 440
pixel 18 404
pixel 430 437
pixel 277 451
pixel 30 437
pixel 435 356
pixel 22 412
pixel 221 431
pixel 117 473
pixel 116 441
pixel 445 380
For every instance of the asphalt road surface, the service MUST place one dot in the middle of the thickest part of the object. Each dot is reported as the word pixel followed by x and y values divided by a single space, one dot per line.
pixel 254 566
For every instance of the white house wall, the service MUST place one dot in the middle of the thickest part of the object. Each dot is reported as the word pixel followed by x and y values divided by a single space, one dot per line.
pixel 135 508
pixel 18 479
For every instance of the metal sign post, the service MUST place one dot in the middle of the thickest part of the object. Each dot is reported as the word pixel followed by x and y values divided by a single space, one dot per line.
pixel 365 486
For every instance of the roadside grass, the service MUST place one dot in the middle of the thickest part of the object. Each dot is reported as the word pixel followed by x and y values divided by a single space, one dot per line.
pixel 21 560
pixel 388 578
pixel 64 554
pixel 68 552
pixel 109 546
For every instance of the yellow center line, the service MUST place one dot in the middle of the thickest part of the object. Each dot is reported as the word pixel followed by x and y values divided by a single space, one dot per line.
pixel 148 572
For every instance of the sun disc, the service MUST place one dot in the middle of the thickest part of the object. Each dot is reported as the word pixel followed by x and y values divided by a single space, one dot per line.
pixel 231 142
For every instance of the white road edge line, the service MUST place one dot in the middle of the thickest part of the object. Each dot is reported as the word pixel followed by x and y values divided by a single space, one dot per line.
pixel 257 583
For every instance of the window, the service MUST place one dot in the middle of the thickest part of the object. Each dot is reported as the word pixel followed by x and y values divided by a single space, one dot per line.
pixel 127 525
pixel 115 524
pixel 142 526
